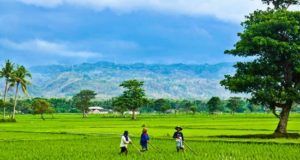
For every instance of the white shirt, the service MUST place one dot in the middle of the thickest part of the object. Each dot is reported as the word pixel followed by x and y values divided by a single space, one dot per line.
pixel 124 143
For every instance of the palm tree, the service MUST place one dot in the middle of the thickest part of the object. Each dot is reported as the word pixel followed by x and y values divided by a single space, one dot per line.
pixel 19 78
pixel 6 72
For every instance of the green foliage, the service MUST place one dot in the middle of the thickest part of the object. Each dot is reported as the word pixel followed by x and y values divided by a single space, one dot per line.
pixel 133 96
pixel 234 103
pixel 18 79
pixel 107 103
pixel 272 37
pixel 187 105
pixel 193 108
pixel 158 104
pixel 25 106
pixel 165 107
pixel 253 107
pixel 281 4
pixel 83 99
pixel 213 104
pixel 6 72
pixel 62 105
pixel 41 106
pixel 119 105
pixel 200 105
pixel 19 76
pixel 6 104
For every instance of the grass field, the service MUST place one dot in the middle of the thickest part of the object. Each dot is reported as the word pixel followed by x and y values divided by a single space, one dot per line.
pixel 98 137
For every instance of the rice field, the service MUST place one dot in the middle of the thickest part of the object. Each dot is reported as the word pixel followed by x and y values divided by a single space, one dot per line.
pixel 68 136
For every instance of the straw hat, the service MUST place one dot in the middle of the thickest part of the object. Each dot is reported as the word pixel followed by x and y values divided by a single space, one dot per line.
pixel 178 127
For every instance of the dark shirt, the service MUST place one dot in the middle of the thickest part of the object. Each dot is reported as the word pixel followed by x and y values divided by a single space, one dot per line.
pixel 144 138
pixel 178 134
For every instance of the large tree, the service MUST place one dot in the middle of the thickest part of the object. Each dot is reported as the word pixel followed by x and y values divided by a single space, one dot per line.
pixel 83 99
pixel 133 95
pixel 18 79
pixel 6 72
pixel 272 39
pixel 41 106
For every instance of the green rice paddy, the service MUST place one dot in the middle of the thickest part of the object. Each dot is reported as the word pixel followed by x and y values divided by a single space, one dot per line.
pixel 68 136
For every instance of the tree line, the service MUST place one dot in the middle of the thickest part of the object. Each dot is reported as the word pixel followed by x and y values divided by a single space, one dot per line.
pixel 214 105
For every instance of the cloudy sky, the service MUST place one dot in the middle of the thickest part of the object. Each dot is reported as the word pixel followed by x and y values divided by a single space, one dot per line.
pixel 41 32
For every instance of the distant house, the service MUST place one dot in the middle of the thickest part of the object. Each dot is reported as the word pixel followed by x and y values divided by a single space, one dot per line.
pixel 98 110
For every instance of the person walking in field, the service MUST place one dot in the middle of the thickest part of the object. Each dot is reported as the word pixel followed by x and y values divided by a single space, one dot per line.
pixel 144 140
pixel 125 140
pixel 178 136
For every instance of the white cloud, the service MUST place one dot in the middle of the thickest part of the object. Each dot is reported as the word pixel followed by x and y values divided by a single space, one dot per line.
pixel 227 10
pixel 47 48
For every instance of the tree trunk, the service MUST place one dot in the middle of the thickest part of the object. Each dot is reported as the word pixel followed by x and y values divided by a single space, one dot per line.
pixel 4 97
pixel 282 125
pixel 83 114
pixel 42 116
pixel 133 115
pixel 15 103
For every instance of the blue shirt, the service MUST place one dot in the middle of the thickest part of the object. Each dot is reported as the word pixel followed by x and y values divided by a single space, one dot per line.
pixel 144 138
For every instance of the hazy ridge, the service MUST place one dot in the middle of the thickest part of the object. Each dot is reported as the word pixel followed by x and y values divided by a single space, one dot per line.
pixel 168 81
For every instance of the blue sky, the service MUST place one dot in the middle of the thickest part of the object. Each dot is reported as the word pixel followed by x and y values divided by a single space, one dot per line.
pixel 41 32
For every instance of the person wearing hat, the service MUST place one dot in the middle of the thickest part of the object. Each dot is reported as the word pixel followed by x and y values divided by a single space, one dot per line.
pixel 178 136
pixel 144 140
pixel 125 140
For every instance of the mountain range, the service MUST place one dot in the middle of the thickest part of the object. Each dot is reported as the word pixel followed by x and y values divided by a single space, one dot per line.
pixel 176 81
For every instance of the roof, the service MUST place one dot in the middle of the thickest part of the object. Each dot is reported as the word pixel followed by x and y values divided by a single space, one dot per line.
pixel 95 107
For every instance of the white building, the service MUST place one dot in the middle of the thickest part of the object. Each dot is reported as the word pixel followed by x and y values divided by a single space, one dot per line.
pixel 98 110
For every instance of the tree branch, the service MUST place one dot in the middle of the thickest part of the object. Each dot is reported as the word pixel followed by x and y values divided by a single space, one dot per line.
pixel 274 112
